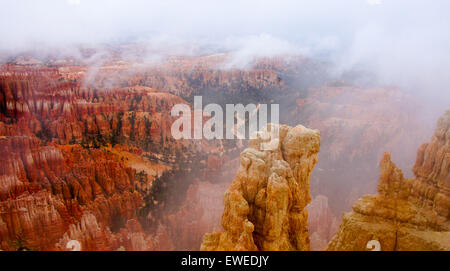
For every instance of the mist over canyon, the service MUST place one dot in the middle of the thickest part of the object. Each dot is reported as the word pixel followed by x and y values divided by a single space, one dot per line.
pixel 85 125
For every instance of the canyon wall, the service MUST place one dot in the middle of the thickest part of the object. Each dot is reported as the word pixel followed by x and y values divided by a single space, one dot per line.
pixel 406 214
pixel 78 162
pixel 265 204
pixel 46 189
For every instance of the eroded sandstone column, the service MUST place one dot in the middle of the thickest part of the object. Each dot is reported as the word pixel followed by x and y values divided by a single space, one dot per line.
pixel 265 204
pixel 406 214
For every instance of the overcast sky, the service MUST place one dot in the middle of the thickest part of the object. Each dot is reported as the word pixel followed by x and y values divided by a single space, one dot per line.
pixel 324 23
pixel 400 39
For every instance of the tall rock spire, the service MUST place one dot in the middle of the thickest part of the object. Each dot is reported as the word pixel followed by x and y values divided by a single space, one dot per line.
pixel 406 214
pixel 265 204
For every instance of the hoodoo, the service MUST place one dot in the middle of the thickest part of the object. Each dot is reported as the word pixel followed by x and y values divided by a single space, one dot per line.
pixel 406 214
pixel 265 203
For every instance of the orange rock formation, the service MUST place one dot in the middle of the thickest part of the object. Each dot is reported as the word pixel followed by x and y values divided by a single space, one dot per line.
pixel 406 214
pixel 265 204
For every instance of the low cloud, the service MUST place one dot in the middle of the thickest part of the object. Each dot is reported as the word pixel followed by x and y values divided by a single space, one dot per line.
pixel 402 42
pixel 247 49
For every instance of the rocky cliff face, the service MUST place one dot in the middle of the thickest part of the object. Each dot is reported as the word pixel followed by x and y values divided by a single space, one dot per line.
pixel 406 214
pixel 78 162
pixel 46 189
pixel 65 112
pixel 265 204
